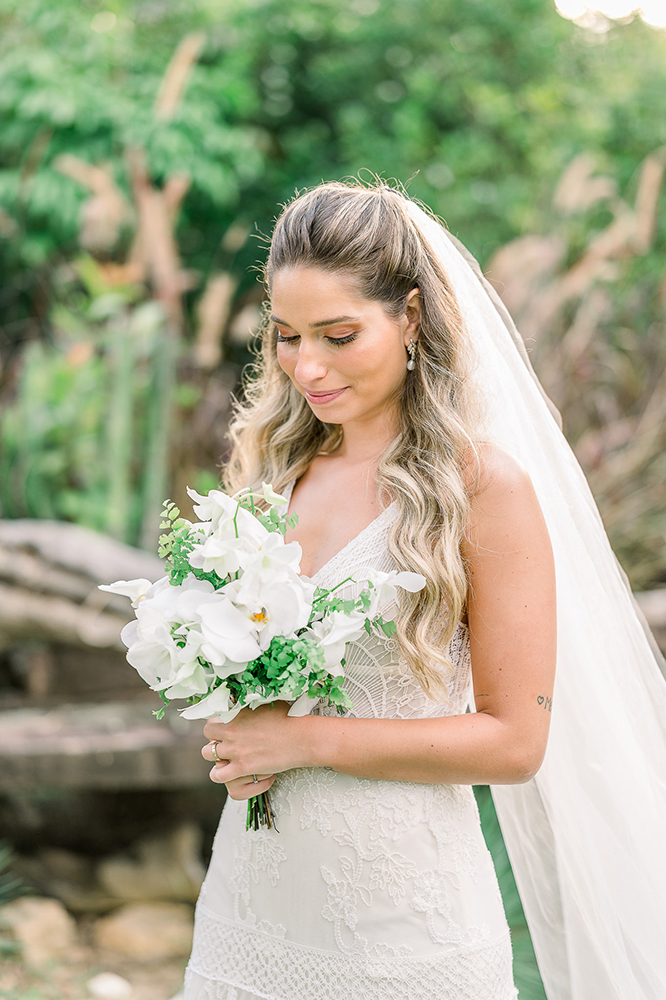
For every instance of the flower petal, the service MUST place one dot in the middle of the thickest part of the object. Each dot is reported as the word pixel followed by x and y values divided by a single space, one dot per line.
pixel 134 589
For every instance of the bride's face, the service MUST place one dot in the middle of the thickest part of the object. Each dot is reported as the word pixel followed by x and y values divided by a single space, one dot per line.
pixel 341 350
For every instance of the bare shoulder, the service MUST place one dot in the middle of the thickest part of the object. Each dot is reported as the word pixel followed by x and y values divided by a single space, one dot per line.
pixel 492 475
pixel 503 501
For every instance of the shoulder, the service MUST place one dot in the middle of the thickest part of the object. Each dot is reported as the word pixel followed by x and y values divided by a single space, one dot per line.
pixel 491 474
pixel 503 503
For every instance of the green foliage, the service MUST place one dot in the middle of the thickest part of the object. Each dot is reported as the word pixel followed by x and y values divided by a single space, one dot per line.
pixel 287 669
pixel 477 106
pixel 176 544
pixel 75 440
pixel 486 100
pixel 525 969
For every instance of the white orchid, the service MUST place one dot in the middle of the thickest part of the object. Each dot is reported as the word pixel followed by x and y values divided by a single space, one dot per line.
pixel 271 497
pixel 280 607
pixel 217 703
pixel 270 562
pixel 164 642
pixel 334 632
pixel 164 660
pixel 385 586
pixel 229 636
pixel 213 506
pixel 219 553
pixel 227 516
pixel 134 589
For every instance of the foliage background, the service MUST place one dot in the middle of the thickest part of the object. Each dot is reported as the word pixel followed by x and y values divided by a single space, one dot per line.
pixel 478 107
pixel 540 142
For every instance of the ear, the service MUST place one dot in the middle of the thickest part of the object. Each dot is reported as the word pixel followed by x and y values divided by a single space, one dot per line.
pixel 413 315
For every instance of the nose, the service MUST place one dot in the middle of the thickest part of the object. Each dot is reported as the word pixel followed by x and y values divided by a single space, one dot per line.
pixel 310 364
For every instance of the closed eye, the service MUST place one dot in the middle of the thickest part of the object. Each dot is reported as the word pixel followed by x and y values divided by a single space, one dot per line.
pixel 342 340
pixel 339 341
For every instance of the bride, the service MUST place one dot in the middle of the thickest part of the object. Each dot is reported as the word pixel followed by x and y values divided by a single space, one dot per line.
pixel 394 408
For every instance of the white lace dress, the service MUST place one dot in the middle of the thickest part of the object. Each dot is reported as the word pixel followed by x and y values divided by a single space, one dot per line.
pixel 371 890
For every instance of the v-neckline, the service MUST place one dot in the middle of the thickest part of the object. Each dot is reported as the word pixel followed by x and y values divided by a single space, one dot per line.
pixel 351 541
pixel 287 492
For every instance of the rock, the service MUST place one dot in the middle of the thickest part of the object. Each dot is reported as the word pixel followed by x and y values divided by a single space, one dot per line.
pixel 67 876
pixel 164 868
pixel 147 931
pixel 43 928
pixel 109 986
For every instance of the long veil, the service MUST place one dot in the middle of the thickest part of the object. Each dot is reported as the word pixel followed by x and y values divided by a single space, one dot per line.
pixel 587 836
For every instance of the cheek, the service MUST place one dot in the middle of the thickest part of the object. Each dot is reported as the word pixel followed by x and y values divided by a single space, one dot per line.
pixel 285 359
pixel 384 363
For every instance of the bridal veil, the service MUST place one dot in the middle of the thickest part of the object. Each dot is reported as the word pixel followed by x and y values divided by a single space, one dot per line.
pixel 587 836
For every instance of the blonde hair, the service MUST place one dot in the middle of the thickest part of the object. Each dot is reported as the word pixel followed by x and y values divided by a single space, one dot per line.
pixel 366 233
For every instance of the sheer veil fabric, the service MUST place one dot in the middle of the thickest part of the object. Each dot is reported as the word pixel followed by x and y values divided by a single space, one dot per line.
pixel 586 836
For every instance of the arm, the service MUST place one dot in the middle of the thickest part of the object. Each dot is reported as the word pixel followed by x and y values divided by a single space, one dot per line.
pixel 511 612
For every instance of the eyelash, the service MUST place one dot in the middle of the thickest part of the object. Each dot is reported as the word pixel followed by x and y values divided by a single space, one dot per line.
pixel 339 341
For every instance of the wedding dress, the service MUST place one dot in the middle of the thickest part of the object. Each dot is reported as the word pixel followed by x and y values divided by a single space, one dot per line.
pixel 371 890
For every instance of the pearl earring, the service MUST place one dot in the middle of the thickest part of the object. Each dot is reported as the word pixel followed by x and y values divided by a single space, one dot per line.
pixel 411 349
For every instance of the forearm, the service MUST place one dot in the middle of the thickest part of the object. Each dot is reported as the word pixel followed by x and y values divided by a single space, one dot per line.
pixel 470 749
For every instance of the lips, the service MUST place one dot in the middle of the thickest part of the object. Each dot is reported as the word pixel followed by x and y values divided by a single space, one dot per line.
pixel 320 398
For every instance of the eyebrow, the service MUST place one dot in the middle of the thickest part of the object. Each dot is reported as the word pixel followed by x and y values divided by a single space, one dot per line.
pixel 323 322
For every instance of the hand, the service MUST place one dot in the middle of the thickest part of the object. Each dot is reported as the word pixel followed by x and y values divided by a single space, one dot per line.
pixel 263 741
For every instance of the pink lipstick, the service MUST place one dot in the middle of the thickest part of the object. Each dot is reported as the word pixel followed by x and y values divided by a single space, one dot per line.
pixel 319 398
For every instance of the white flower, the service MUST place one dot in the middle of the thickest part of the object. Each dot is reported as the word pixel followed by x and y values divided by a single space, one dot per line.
pixel 165 661
pixel 333 633
pixel 219 553
pixel 280 606
pixel 271 497
pixel 227 516
pixel 134 589
pixel 164 642
pixel 229 636
pixel 214 704
pixel 213 506
pixel 303 706
pixel 384 586
pixel 178 604
pixel 273 559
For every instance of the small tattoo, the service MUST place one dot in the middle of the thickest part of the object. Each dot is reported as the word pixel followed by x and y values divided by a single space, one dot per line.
pixel 545 701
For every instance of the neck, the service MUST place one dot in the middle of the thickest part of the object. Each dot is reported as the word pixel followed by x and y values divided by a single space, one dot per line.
pixel 365 440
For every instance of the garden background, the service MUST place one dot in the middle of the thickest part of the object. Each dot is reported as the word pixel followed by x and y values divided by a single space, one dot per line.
pixel 145 148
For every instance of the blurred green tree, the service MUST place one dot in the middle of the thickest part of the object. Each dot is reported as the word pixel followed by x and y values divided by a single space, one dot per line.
pixel 486 100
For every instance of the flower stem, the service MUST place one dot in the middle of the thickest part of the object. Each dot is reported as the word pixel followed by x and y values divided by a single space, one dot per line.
pixel 259 813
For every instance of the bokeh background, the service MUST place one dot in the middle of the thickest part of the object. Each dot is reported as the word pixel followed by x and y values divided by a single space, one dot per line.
pixel 145 149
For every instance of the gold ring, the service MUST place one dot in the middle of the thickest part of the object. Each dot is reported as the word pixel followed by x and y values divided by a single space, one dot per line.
pixel 213 745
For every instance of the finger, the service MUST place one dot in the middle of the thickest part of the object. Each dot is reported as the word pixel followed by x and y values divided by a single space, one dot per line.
pixel 248 789
pixel 210 749
pixel 247 780
pixel 213 729
pixel 224 775
pixel 228 775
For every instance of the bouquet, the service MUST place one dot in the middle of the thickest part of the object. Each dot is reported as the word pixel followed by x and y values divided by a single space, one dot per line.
pixel 233 624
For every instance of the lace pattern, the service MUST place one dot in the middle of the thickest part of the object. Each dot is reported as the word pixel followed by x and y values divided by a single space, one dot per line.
pixel 286 971
pixel 371 889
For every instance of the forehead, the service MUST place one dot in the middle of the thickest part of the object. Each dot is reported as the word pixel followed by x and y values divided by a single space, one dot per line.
pixel 314 283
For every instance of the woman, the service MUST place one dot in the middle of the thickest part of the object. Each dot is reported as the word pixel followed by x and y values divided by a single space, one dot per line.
pixel 386 387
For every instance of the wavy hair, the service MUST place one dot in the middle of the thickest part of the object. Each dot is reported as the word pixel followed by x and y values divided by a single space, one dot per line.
pixel 366 233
